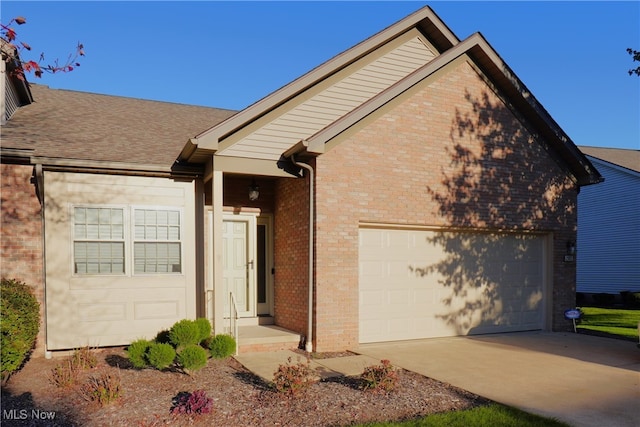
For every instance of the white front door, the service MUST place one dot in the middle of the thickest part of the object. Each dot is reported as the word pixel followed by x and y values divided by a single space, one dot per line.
pixel 239 263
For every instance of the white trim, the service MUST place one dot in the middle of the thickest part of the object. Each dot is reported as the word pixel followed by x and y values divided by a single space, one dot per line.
pixel 267 221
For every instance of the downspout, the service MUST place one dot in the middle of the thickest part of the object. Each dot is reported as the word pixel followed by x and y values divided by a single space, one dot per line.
pixel 309 341
pixel 39 184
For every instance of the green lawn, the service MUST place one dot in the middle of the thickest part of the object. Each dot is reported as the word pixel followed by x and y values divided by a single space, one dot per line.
pixel 614 321
pixel 493 415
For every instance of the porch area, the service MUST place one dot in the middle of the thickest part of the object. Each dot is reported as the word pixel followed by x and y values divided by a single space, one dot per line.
pixel 261 338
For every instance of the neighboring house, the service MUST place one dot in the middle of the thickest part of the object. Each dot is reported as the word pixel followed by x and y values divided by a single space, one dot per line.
pixel 409 187
pixel 608 249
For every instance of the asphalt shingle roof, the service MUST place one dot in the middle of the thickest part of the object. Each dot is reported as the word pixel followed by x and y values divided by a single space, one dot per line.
pixel 74 125
pixel 626 158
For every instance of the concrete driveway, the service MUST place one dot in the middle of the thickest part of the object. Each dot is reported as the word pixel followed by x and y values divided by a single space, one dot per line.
pixel 579 379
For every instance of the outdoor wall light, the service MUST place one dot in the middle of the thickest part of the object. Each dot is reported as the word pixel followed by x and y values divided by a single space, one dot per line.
pixel 254 191
pixel 570 256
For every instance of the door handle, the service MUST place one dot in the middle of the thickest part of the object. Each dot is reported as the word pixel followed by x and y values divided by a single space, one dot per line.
pixel 250 264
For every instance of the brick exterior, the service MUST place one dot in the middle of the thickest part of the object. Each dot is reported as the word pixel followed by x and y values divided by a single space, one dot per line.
pixel 21 235
pixel 451 154
pixel 291 256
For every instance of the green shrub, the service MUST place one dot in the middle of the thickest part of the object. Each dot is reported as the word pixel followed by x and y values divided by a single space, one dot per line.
pixel 137 352
pixel 163 337
pixel 222 346
pixel 204 326
pixel 20 313
pixel 192 358
pixel 160 355
pixel 183 333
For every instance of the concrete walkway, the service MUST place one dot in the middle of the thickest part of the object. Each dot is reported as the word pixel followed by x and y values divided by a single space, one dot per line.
pixel 579 379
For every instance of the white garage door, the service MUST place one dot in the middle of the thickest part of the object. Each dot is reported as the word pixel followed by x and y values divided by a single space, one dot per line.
pixel 423 284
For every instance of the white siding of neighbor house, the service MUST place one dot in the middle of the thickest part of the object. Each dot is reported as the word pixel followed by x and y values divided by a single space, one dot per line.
pixel 608 256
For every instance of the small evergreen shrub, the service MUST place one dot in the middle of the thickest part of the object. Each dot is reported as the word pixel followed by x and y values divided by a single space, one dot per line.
pixel 163 337
pixel 192 403
pixel 192 358
pixel 380 378
pixel 160 355
pixel 183 333
pixel 104 388
pixel 222 345
pixel 204 326
pixel 293 379
pixel 20 313
pixel 137 352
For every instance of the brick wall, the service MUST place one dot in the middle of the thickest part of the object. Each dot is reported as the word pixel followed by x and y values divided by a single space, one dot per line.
pixel 21 235
pixel 291 257
pixel 449 154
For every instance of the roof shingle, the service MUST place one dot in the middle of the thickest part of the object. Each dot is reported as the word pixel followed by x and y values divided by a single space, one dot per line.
pixel 66 124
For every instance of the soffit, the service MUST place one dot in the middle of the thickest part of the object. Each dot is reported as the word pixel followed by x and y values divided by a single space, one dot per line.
pixel 330 100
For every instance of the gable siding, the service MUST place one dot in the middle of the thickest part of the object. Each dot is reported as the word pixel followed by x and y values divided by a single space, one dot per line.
pixel 609 232
pixel 304 120
pixel 449 155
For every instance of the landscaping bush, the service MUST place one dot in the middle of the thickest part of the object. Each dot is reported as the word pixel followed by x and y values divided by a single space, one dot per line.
pixel 83 358
pixel 163 337
pixel 204 326
pixel 192 403
pixel 20 313
pixel 604 299
pixel 380 378
pixel 630 299
pixel 104 388
pixel 192 358
pixel 292 379
pixel 137 352
pixel 183 333
pixel 160 355
pixel 222 345
pixel 64 374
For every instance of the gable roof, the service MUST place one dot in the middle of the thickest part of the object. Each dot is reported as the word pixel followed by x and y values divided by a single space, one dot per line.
pixel 625 158
pixel 310 111
pixel 341 93
pixel 64 128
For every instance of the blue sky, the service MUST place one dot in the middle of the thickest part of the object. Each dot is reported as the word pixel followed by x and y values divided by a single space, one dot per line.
pixel 571 55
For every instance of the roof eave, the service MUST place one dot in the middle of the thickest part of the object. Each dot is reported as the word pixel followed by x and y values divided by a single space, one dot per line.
pixel 424 19
pixel 486 58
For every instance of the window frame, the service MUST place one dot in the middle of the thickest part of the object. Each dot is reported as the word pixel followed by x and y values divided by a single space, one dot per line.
pixel 129 239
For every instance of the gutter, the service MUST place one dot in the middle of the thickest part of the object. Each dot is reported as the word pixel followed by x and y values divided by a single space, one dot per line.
pixel 309 341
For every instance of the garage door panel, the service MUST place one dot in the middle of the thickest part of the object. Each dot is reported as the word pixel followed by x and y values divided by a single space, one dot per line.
pixel 444 283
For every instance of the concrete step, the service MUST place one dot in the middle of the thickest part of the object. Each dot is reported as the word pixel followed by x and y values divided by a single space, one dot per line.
pixel 262 338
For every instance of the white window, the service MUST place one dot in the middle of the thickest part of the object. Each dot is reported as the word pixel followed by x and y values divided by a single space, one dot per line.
pixel 157 241
pixel 107 241
pixel 98 240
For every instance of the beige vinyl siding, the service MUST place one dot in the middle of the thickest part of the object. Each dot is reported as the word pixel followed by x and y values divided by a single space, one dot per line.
pixel 104 308
pixel 324 108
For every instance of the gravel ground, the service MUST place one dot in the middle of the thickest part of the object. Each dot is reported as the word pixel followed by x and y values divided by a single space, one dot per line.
pixel 239 398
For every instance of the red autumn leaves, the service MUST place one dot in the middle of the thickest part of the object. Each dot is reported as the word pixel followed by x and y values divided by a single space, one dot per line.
pixel 29 66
